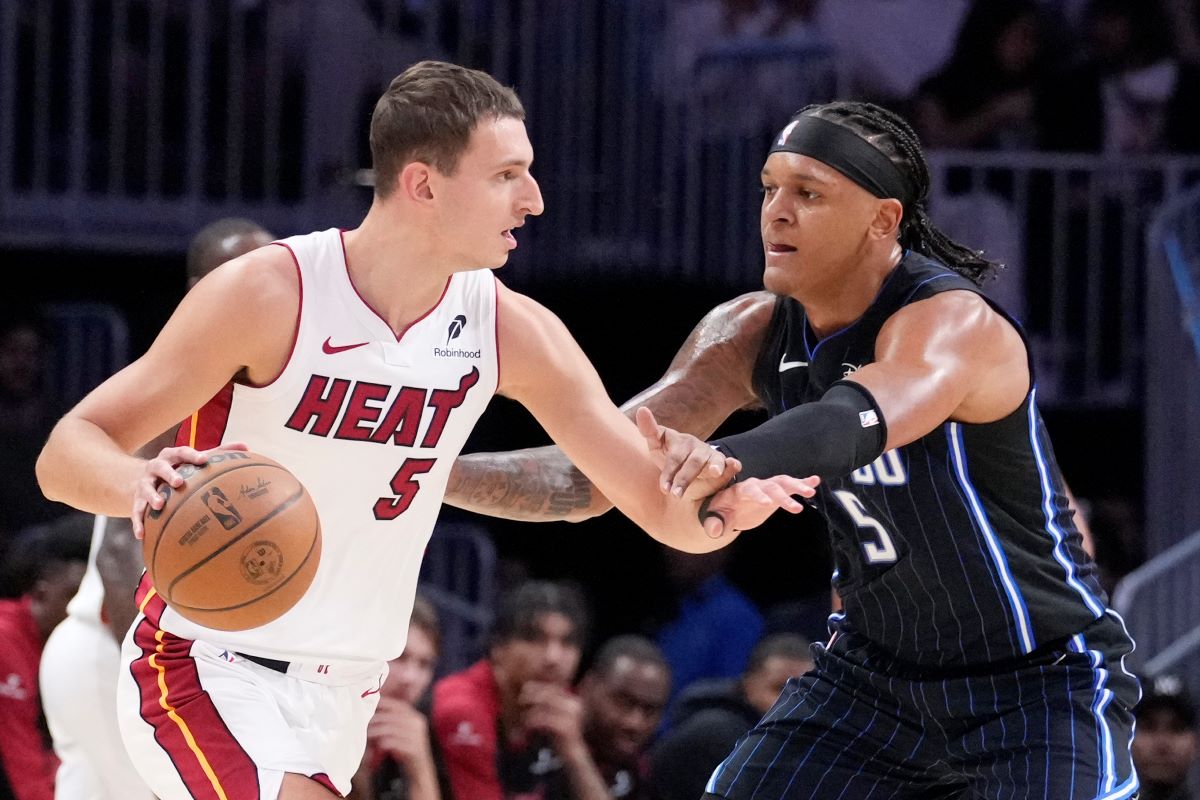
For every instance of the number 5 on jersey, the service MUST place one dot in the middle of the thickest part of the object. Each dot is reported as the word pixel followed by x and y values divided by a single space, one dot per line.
pixel 404 487
pixel 882 551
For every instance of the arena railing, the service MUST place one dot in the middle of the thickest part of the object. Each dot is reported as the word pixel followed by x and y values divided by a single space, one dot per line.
pixel 1160 602
pixel 90 342
pixel 458 576
pixel 1172 374
pixel 127 124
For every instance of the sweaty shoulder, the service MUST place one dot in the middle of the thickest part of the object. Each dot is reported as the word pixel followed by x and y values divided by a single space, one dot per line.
pixel 954 313
pixel 712 374
pixel 742 322
pixel 959 333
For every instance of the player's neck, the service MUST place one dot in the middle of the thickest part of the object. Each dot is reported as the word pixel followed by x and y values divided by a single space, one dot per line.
pixel 832 307
pixel 395 267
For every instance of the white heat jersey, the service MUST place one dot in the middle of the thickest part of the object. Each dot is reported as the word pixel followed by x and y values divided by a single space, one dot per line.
pixel 370 422
pixel 88 602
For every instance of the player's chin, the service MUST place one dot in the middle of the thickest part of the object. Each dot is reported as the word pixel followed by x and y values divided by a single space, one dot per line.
pixel 496 261
pixel 776 279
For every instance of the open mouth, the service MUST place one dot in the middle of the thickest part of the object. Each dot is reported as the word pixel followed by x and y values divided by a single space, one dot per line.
pixel 510 238
pixel 776 247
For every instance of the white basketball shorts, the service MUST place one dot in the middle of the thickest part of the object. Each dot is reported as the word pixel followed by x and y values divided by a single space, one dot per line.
pixel 202 722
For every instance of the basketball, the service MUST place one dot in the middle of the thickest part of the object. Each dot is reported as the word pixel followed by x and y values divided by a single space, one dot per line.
pixel 237 545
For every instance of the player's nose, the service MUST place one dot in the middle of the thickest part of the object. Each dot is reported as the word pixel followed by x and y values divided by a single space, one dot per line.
pixel 532 200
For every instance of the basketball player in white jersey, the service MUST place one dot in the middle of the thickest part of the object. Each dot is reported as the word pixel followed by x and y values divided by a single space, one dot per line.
pixel 78 674
pixel 361 361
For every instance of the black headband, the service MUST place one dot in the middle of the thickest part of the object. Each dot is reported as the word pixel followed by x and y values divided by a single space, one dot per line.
pixel 845 151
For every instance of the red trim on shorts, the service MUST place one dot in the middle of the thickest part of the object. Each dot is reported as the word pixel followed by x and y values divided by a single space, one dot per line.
pixel 296 329
pixel 408 327
pixel 187 726
pixel 323 779
pixel 139 595
pixel 209 421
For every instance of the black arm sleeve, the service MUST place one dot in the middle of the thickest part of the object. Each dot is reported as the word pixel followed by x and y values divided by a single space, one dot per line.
pixel 833 436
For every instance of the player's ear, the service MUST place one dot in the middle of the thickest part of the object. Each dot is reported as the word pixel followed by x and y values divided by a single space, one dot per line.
pixel 888 215
pixel 415 181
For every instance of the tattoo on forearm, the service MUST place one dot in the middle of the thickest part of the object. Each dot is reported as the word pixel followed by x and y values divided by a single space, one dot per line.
pixel 577 497
pixel 526 485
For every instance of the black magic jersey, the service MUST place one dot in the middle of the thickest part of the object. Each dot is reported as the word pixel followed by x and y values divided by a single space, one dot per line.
pixel 958 548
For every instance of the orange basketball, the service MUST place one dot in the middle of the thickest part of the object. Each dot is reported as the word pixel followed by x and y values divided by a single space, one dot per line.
pixel 237 545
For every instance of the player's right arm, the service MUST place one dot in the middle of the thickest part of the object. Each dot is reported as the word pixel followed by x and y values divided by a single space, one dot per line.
pixel 239 321
pixel 708 379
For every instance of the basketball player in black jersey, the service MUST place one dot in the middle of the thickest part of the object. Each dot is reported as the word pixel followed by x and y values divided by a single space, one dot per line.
pixel 976 656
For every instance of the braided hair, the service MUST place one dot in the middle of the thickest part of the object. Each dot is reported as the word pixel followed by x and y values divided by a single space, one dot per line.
pixel 893 136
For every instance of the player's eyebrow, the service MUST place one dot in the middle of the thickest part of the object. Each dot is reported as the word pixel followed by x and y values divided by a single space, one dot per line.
pixel 807 177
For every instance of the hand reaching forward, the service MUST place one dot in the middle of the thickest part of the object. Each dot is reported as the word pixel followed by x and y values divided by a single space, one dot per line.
pixel 694 469
pixel 162 470
pixel 747 504
pixel 691 468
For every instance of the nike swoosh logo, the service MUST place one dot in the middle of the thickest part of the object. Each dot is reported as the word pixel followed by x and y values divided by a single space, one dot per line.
pixel 785 365
pixel 330 348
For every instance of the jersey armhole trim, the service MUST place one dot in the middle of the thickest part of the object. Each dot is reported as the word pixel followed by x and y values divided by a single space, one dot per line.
pixel 496 315
pixel 295 330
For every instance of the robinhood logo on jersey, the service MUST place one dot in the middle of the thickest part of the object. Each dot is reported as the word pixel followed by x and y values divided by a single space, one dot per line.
pixel 457 326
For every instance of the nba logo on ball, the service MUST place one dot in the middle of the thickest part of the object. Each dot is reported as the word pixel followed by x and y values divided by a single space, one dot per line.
pixel 216 502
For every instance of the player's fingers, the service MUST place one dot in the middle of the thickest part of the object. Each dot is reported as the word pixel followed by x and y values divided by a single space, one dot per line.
pixel 781 496
pixel 730 468
pixel 697 459
pixel 754 491
pixel 649 428
pixel 714 525
pixel 135 518
pixel 804 487
pixel 162 467
pixel 183 455
pixel 225 448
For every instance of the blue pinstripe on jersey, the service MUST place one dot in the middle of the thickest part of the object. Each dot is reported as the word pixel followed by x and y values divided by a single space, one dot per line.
pixel 1019 611
pixel 1060 555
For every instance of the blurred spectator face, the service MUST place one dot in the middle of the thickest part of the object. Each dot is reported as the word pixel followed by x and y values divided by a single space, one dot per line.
pixel 21 353
pixel 799 9
pixel 1164 748
pixel 54 590
pixel 410 674
pixel 1018 44
pixel 548 653
pixel 624 706
pixel 740 7
pixel 762 687
pixel 1111 36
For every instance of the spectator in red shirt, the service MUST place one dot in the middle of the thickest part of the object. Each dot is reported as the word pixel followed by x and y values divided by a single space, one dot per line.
pixel 624 693
pixel 509 727
pixel 57 555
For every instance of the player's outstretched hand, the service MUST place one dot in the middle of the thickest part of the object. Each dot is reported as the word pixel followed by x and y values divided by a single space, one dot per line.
pixel 161 469
pixel 691 468
pixel 747 503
